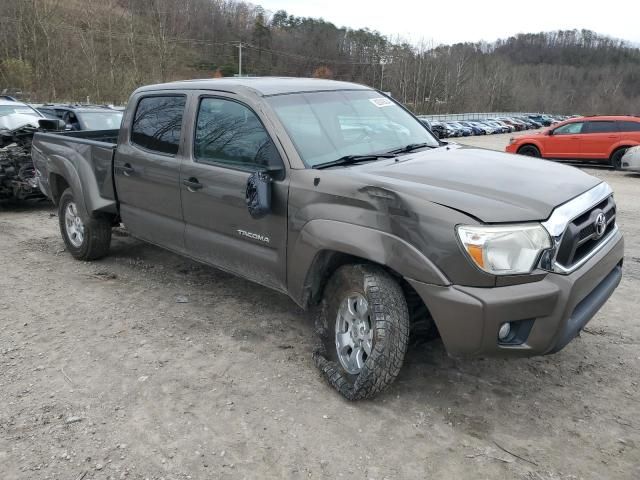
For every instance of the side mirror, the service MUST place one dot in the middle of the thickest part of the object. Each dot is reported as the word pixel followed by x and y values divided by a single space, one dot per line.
pixel 258 194
pixel 51 124
pixel 549 132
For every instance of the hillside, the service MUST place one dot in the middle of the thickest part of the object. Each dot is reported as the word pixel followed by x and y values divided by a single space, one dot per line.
pixel 101 50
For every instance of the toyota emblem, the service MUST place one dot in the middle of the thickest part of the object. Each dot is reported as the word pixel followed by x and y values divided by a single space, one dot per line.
pixel 600 225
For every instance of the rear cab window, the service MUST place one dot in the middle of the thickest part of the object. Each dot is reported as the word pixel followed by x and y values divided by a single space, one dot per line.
pixel 157 123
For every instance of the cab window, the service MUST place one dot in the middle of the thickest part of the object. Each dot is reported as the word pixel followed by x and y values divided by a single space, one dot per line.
pixel 231 134
pixel 569 129
pixel 157 123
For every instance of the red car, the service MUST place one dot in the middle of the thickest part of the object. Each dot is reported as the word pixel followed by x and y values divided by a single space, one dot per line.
pixel 603 138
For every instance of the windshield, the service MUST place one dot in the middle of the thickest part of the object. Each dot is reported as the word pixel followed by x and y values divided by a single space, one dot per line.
pixel 18 108
pixel 325 126
pixel 101 120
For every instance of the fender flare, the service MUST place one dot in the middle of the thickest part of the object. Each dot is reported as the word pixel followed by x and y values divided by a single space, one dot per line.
pixel 383 248
pixel 62 167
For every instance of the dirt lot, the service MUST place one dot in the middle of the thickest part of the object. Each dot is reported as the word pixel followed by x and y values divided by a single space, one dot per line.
pixel 492 142
pixel 147 365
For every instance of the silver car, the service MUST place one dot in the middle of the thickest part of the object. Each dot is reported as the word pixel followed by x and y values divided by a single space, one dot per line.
pixel 631 160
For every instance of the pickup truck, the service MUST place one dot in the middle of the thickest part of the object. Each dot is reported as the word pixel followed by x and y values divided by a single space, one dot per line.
pixel 337 196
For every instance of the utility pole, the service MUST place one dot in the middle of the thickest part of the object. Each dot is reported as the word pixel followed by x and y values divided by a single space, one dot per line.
pixel 239 59
pixel 383 62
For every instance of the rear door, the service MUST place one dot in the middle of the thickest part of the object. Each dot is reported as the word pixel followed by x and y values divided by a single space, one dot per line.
pixel 230 142
pixel 564 141
pixel 147 170
pixel 598 138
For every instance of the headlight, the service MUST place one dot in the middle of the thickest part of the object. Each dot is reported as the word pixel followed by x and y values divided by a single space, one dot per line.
pixel 504 250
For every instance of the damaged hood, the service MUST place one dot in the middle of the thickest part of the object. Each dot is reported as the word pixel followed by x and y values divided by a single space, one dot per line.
pixel 491 186
pixel 14 121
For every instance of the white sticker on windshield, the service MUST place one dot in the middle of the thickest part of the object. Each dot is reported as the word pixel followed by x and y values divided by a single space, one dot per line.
pixel 381 102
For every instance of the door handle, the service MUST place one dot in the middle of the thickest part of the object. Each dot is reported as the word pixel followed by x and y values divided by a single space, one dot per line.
pixel 192 184
pixel 612 136
pixel 127 170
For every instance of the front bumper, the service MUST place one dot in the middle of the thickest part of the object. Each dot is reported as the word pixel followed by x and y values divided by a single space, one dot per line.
pixel 555 308
pixel 511 148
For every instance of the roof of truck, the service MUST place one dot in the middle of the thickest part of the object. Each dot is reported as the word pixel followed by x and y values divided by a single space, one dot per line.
pixel 263 86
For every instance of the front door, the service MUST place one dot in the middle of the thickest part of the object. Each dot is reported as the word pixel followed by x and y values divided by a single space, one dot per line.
pixel 564 142
pixel 147 172
pixel 229 144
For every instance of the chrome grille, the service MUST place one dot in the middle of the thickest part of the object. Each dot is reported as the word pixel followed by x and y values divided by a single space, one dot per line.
pixel 581 237
pixel 574 237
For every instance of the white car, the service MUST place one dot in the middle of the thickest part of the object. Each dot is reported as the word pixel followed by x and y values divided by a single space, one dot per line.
pixel 15 114
pixel 631 160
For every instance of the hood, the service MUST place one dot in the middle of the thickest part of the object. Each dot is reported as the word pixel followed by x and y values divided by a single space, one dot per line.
pixel 491 186
pixel 14 121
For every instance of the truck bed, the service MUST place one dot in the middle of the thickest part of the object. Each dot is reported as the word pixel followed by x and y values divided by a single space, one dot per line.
pixel 85 157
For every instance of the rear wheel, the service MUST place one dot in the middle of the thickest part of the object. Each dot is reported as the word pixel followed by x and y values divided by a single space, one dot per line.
pixel 616 158
pixel 363 328
pixel 529 151
pixel 85 238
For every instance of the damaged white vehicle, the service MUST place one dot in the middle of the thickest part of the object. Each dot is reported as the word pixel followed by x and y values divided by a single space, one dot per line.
pixel 18 123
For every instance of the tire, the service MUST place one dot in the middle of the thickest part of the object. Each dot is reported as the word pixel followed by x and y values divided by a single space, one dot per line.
pixel 379 320
pixel 85 238
pixel 529 151
pixel 616 158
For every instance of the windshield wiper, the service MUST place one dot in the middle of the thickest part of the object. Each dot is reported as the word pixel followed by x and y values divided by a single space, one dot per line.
pixel 410 148
pixel 352 159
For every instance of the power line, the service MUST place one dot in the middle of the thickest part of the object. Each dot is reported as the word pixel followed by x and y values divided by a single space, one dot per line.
pixel 74 29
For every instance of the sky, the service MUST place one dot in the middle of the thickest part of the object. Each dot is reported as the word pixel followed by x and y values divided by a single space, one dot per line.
pixel 447 21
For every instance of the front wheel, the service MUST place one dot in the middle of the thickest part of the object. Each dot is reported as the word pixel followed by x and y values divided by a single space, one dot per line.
pixel 85 238
pixel 529 151
pixel 363 328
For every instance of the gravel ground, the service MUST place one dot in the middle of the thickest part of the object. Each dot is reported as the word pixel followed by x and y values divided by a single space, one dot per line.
pixel 146 365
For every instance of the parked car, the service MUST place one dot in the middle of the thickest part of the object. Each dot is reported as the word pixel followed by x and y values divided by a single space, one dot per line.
pixel 491 128
pixel 14 114
pixel 510 126
pixel 500 128
pixel 451 131
pixel 542 119
pixel 84 117
pixel 18 123
pixel 514 122
pixel 631 160
pixel 376 231
pixel 486 129
pixel 475 129
pixel 602 139
pixel 466 131
pixel 439 129
pixel 529 122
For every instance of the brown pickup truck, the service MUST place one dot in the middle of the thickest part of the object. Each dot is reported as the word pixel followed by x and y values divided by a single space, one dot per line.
pixel 336 195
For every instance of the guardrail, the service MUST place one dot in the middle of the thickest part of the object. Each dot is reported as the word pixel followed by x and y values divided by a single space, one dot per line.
pixel 452 117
